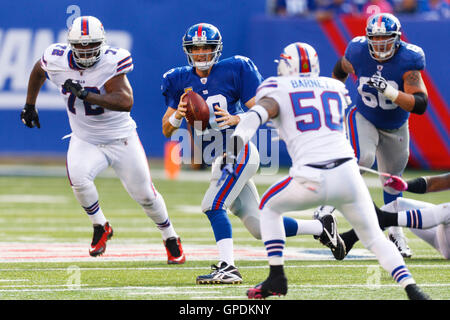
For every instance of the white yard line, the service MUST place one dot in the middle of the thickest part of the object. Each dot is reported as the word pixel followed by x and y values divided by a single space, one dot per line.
pixel 204 288
pixel 178 268
pixel 185 175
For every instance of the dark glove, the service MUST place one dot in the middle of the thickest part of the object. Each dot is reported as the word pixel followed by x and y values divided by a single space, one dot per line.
pixel 29 116
pixel 228 167
pixel 378 82
pixel 75 88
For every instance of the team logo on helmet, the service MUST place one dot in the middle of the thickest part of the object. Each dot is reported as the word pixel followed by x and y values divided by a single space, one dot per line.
pixel 298 58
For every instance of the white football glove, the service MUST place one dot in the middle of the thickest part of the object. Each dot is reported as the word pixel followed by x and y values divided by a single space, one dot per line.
pixel 381 84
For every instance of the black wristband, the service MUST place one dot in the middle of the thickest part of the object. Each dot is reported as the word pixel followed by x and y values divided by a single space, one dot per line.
pixel 417 185
pixel 338 71
pixel 420 103
pixel 83 94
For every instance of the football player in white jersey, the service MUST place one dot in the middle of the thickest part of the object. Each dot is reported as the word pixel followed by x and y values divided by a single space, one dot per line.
pixel 308 110
pixel 430 222
pixel 91 77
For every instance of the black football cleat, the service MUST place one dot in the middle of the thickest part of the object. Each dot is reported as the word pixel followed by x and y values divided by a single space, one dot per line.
pixel 175 254
pixel 276 286
pixel 331 238
pixel 415 293
pixel 101 235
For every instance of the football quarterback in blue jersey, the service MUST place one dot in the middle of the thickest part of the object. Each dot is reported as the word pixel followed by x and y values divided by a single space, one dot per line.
pixel 226 86
pixel 390 87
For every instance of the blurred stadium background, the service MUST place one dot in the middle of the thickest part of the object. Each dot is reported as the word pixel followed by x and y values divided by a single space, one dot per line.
pixel 152 31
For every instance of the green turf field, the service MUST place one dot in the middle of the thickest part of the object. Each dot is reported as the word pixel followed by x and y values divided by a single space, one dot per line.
pixel 40 216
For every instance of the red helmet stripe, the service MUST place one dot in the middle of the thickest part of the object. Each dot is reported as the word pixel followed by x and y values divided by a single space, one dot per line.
pixel 305 65
pixel 199 31
pixel 84 27
pixel 380 18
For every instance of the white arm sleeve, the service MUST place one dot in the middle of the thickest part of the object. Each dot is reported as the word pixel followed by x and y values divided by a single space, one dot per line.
pixel 250 122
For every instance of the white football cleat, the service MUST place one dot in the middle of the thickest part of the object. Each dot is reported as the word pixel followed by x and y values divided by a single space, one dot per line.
pixel 222 273
pixel 397 236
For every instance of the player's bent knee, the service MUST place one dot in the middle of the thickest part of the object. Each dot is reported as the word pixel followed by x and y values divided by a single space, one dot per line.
pixel 253 226
pixel 81 185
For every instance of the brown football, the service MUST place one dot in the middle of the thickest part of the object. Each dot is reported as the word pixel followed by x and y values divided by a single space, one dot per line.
pixel 197 109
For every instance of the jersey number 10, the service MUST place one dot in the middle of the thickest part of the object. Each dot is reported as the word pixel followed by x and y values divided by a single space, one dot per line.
pixel 330 104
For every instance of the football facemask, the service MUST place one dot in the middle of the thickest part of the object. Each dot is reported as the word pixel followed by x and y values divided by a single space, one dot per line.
pixel 86 38
pixel 383 35
pixel 202 35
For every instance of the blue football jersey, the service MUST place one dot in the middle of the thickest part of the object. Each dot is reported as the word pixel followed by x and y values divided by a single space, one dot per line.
pixel 374 106
pixel 231 83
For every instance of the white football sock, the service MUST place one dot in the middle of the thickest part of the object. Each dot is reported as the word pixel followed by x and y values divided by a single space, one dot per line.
pixel 226 250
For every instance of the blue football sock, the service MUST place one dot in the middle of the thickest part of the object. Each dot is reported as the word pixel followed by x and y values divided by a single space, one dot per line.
pixel 388 198
pixel 220 224
pixel 290 226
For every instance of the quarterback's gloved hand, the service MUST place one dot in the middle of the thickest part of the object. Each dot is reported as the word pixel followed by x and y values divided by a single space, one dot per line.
pixel 381 84
pixel 75 88
pixel 228 167
pixel 396 183
pixel 29 116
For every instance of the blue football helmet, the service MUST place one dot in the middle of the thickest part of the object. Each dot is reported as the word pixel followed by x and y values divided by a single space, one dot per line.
pixel 203 34
pixel 388 26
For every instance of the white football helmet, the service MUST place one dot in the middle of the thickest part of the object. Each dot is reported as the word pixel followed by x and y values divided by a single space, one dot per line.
pixel 84 32
pixel 299 58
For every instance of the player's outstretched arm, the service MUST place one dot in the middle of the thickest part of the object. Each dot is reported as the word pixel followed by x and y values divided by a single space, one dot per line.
pixel 341 69
pixel 29 115
pixel 429 184
pixel 259 114
pixel 438 183
pixel 172 119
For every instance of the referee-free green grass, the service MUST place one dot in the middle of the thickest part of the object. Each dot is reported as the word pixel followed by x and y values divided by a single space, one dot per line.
pixel 26 218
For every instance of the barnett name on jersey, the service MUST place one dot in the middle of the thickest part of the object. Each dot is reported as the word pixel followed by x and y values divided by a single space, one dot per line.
pixel 90 123
pixel 310 118
pixel 374 106
pixel 231 83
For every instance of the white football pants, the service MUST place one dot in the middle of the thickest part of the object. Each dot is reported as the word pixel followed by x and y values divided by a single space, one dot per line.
pixel 128 159
pixel 341 187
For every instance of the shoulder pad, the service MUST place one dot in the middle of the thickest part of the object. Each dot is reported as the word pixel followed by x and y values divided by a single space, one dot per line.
pixel 55 57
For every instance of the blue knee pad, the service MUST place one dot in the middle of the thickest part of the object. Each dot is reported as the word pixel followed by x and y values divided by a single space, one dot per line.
pixel 220 224
pixel 290 226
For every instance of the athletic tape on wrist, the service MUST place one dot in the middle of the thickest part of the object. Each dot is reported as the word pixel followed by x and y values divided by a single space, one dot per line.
pixel 391 93
pixel 174 121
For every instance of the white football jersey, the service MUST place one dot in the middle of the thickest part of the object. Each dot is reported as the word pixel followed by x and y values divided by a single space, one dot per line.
pixel 311 117
pixel 90 123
